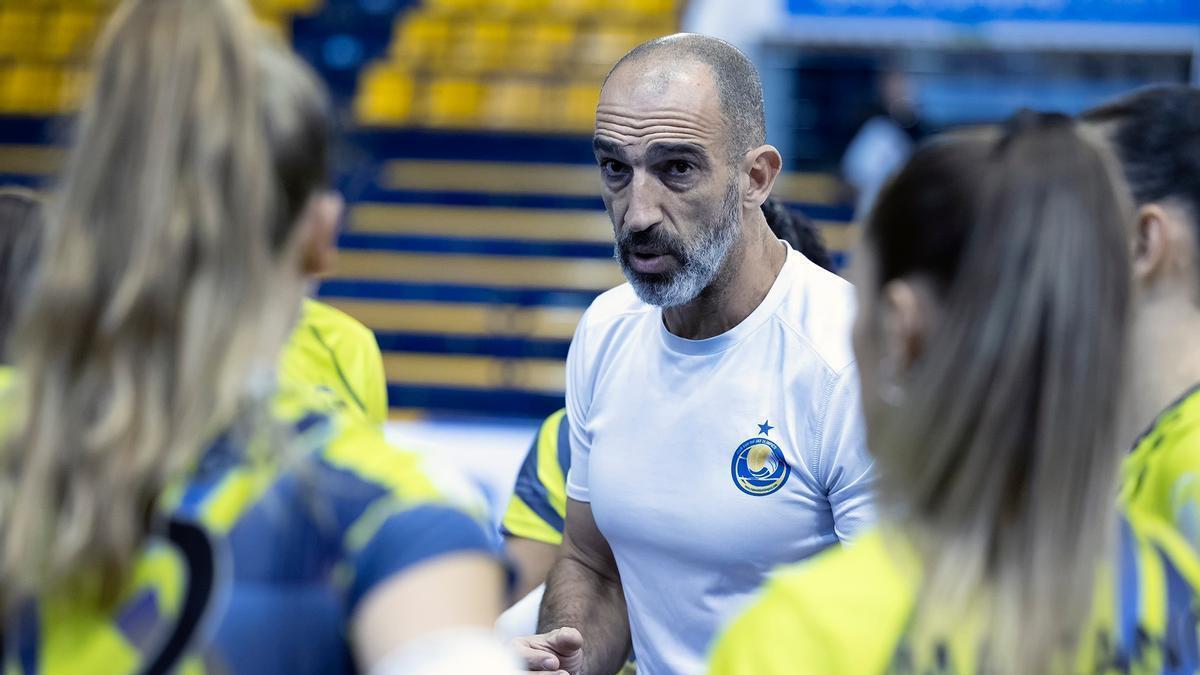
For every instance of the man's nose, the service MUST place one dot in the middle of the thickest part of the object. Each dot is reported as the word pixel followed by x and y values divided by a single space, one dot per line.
pixel 645 205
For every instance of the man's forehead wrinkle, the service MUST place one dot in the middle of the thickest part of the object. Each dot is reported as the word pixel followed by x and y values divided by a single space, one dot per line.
pixel 624 138
pixel 698 133
pixel 625 117
pixel 658 123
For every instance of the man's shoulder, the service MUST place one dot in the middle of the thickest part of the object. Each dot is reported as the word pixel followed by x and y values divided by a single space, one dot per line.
pixel 819 311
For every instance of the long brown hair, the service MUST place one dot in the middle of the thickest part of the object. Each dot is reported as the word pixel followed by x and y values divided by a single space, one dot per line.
pixel 162 300
pixel 1001 458
pixel 20 238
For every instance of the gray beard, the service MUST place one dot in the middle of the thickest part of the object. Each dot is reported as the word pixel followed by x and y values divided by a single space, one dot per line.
pixel 700 266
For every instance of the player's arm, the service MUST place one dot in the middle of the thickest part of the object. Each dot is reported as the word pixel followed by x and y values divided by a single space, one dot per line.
pixel 459 596
pixel 845 466
pixel 411 535
pixel 584 625
pixel 533 560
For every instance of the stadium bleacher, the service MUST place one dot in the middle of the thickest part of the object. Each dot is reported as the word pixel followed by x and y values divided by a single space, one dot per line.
pixel 475 236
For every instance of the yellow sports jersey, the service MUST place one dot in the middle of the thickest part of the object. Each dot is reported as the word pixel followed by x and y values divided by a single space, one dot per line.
pixel 849 611
pixel 539 503
pixel 1162 475
pixel 332 351
pixel 261 559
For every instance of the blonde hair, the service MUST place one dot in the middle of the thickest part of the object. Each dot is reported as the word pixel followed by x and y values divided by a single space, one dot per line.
pixel 162 299
pixel 1001 460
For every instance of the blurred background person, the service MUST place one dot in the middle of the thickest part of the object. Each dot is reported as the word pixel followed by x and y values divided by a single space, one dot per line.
pixel 799 231
pixel 891 130
pixel 1156 136
pixel 994 293
pixel 161 504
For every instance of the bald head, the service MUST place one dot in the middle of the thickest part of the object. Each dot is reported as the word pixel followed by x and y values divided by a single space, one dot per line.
pixel 739 91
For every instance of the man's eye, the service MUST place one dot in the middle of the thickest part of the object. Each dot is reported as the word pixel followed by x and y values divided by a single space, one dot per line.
pixel 679 168
pixel 612 167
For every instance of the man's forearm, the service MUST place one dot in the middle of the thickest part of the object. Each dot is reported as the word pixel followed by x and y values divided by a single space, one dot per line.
pixel 594 604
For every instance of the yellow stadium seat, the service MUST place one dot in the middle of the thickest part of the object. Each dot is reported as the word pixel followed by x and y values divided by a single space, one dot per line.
pixel 421 38
pixel 574 106
pixel 30 4
pixel 20 32
pixel 454 102
pixel 69 34
pixel 482 46
pixel 642 9
pixel 458 6
pixel 580 9
pixel 34 90
pixel 515 104
pixel 386 95
pixel 601 48
pixel 518 7
pixel 542 47
pixel 4 75
pixel 74 88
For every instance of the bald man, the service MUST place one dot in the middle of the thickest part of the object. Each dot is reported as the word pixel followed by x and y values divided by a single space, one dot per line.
pixel 715 419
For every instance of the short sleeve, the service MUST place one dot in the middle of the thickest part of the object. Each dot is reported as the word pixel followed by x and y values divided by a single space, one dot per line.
pixel 845 467
pixel 408 537
pixel 579 400
pixel 537 509
pixel 392 509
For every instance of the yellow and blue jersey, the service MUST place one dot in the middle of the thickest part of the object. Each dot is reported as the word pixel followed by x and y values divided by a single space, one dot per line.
pixel 851 611
pixel 538 506
pixel 1161 477
pixel 333 352
pixel 262 559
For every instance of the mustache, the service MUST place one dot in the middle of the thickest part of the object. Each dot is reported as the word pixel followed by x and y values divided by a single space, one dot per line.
pixel 650 241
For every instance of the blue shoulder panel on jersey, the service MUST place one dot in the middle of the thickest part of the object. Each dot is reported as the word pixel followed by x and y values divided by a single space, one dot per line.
pixel 564 444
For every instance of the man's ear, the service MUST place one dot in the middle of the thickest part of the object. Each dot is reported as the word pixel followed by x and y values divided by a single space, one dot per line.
pixel 763 165
pixel 907 313
pixel 318 229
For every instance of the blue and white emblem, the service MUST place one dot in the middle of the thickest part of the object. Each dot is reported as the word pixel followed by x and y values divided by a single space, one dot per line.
pixel 758 466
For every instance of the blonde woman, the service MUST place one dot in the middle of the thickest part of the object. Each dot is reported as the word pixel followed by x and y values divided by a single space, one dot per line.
pixel 993 289
pixel 162 506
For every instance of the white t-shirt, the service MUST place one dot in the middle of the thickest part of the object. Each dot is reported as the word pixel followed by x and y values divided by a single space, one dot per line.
pixel 709 462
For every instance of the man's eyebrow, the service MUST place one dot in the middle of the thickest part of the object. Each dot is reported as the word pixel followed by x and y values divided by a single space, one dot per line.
pixel 679 149
pixel 603 145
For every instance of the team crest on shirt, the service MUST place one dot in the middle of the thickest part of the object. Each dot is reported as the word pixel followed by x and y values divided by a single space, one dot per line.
pixel 758 466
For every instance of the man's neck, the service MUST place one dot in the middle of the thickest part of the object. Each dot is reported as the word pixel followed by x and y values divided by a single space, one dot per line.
pixel 1166 359
pixel 749 273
